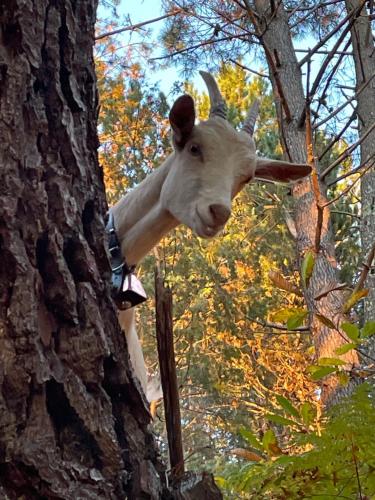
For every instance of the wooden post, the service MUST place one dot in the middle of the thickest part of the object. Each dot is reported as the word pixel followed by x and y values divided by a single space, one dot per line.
pixel 164 335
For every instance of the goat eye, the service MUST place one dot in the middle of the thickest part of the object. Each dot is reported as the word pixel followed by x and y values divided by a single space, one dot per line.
pixel 195 150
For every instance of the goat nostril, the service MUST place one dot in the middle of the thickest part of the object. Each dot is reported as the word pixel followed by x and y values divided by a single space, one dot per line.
pixel 220 213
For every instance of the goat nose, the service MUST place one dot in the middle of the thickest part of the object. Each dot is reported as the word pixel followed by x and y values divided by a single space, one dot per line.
pixel 220 213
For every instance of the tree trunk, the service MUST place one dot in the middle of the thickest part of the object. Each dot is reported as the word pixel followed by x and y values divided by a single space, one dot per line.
pixel 364 59
pixel 287 84
pixel 73 423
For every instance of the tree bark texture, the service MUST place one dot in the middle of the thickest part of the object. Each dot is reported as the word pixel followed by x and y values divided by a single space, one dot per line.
pixel 73 423
pixel 286 80
pixel 364 60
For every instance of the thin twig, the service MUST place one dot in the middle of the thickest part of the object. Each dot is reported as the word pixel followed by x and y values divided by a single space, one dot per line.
pixel 277 326
pixel 347 152
pixel 197 46
pixel 334 113
pixel 133 27
pixel 338 136
pixel 327 60
pixel 366 268
pixel 346 190
pixel 246 68
pixel 324 40
pixel 352 172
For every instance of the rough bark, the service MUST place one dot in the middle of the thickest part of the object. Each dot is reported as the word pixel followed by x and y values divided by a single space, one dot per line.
pixel 286 80
pixel 364 59
pixel 73 424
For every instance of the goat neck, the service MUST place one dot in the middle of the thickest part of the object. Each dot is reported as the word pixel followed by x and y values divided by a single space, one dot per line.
pixel 140 220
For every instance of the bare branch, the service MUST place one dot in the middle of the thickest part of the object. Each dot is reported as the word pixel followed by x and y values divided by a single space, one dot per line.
pixel 212 41
pixel 324 40
pixel 246 68
pixel 134 27
pixel 366 268
pixel 348 151
pixel 338 136
pixel 352 172
pixel 346 190
pixel 340 108
pixel 328 59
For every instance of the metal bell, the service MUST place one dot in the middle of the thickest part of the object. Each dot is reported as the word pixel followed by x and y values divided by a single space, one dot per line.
pixel 132 292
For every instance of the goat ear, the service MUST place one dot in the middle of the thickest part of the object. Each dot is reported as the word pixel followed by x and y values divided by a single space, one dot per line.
pixel 279 170
pixel 182 118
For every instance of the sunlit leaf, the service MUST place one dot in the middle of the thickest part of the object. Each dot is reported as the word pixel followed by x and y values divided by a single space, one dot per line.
pixel 368 329
pixel 354 298
pixel 246 454
pixel 278 419
pixel 322 372
pixel 307 267
pixel 307 412
pixel 251 438
pixel 325 321
pixel 282 315
pixel 296 320
pixel 287 406
pixel 352 331
pixel 270 442
pixel 343 349
pixel 330 362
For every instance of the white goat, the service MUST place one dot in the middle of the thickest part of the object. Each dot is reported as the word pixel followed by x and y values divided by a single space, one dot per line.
pixel 195 185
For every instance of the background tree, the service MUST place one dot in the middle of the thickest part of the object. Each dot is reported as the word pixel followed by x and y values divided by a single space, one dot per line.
pixel 362 42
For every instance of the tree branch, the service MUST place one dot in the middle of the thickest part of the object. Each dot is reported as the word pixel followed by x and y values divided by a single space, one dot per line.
pixel 340 108
pixel 324 40
pixel 133 27
pixel 347 152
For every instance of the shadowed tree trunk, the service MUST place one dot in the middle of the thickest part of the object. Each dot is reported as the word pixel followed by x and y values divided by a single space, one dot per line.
pixel 286 80
pixel 73 423
pixel 364 59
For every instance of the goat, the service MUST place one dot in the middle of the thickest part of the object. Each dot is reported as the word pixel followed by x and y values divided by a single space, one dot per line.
pixel 194 186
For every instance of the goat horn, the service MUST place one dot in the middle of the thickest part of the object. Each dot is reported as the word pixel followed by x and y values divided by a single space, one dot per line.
pixel 249 123
pixel 218 106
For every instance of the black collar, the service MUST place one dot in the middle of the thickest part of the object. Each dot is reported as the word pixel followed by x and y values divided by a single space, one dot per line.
pixel 120 269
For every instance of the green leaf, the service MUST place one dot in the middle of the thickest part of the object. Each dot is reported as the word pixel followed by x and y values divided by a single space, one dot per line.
pixel 326 321
pixel 352 331
pixel 354 298
pixel 278 419
pixel 307 267
pixel 331 362
pixel 307 413
pixel 368 329
pixel 296 320
pixel 322 372
pixel 345 348
pixel 282 315
pixel 287 406
pixel 269 438
pixel 251 438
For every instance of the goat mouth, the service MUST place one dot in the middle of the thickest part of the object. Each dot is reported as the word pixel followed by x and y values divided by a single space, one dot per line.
pixel 205 230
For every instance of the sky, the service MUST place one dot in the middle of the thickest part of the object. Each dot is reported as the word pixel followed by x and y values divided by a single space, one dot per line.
pixel 136 11
pixel 139 11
